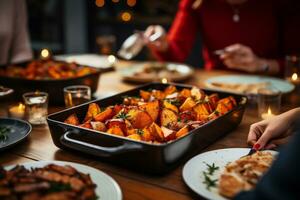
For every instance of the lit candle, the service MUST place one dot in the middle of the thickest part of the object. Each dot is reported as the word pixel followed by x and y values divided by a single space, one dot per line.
pixel 164 80
pixel 17 111
pixel 267 115
pixel 45 54
pixel 111 59
pixel 294 78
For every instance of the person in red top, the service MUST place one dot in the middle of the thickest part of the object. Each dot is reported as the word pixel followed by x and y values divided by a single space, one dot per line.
pixel 248 35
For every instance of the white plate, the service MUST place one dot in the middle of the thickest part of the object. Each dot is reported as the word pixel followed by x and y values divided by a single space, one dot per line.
pixel 107 187
pixel 129 73
pixel 93 60
pixel 193 170
pixel 280 84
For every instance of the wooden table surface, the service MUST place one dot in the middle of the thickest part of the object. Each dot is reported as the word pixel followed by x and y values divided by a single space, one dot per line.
pixel 39 146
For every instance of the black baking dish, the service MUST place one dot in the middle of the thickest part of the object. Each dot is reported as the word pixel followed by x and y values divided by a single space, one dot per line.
pixel 54 87
pixel 141 156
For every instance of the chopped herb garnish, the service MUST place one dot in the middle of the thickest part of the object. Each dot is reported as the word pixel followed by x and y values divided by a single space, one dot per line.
pixel 140 132
pixel 175 102
pixel 211 168
pixel 4 130
pixel 208 181
pixel 122 115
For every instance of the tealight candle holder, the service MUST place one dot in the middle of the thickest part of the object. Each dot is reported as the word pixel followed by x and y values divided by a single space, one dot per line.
pixel 17 111
pixel 36 107
pixel 269 102
pixel 76 94
pixel 292 69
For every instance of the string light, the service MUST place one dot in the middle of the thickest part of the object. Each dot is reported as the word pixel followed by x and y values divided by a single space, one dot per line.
pixel 99 3
pixel 126 16
pixel 131 3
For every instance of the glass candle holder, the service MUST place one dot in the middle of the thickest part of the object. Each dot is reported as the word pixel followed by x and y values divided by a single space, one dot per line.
pixel 36 107
pixel 269 102
pixel 76 94
pixel 16 111
pixel 292 69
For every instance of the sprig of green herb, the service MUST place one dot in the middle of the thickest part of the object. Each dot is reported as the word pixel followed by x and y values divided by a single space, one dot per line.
pixel 140 132
pixel 209 182
pixel 175 102
pixel 211 168
pixel 122 115
pixel 4 130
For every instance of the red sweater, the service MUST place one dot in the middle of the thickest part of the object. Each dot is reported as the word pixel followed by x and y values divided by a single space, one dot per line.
pixel 271 28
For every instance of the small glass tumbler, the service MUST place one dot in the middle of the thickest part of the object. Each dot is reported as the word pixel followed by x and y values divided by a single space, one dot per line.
pixel 76 94
pixel 269 101
pixel 36 107
pixel 292 69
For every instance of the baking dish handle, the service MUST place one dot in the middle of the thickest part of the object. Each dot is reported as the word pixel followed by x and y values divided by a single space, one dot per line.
pixel 96 149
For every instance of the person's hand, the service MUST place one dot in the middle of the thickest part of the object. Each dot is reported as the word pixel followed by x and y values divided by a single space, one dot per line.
pixel 238 56
pixel 268 134
pixel 155 38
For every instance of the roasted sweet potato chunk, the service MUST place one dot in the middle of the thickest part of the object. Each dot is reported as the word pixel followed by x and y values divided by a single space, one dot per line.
pixel 170 106
pixel 156 132
pixel 115 130
pixel 106 114
pixel 72 119
pixel 168 117
pixel 135 137
pixel 93 110
pixel 117 123
pixel 145 95
pixel 182 132
pixel 188 104
pixel 170 90
pixel 138 118
pixel 152 108
pixel 202 108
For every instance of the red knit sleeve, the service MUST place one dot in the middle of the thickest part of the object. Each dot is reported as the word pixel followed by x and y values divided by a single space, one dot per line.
pixel 181 36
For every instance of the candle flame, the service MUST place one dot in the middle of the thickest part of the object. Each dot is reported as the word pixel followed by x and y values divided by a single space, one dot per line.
pixel 164 81
pixel 45 53
pixel 269 111
pixel 21 106
pixel 111 59
pixel 294 76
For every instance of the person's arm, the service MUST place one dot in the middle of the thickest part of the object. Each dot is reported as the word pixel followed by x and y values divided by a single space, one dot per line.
pixel 181 36
pixel 20 46
pixel 282 180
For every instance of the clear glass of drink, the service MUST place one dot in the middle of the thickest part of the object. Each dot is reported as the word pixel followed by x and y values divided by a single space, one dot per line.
pixel 36 107
pixel 76 94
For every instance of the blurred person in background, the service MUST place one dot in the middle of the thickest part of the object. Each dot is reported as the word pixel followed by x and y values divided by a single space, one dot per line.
pixel 247 35
pixel 14 39
pixel 282 179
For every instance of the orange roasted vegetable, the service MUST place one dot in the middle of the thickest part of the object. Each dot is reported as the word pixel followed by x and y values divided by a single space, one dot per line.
pixel 115 130
pixel 93 110
pixel 168 117
pixel 145 95
pixel 138 118
pixel 156 132
pixel 182 132
pixel 170 106
pixel 72 119
pixel 152 108
pixel 106 114
pixel 117 123
pixel 170 90
pixel 168 133
pixel 188 104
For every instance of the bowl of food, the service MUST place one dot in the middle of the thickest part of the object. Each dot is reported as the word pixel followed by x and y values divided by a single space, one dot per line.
pixel 49 76
pixel 154 125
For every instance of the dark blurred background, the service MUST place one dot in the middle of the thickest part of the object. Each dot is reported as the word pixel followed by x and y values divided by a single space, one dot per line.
pixel 97 26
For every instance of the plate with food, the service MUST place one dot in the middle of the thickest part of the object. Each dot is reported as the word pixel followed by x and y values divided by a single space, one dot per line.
pixel 57 180
pixel 223 173
pixel 13 131
pixel 144 72
pixel 247 84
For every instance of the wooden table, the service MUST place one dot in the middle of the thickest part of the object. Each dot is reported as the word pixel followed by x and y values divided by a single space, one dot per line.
pixel 39 146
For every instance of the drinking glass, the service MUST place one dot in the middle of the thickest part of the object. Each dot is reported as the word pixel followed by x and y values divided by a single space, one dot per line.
pixel 36 106
pixel 269 101
pixel 76 94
